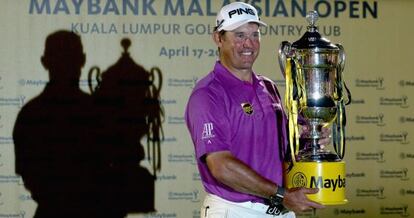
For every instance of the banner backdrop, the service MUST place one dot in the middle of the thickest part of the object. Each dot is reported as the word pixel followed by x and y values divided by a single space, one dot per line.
pixel 175 36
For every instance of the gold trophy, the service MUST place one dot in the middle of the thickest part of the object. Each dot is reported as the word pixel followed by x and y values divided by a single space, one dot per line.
pixel 315 97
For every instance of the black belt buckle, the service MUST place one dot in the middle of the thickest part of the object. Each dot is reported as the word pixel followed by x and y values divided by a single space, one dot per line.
pixel 276 210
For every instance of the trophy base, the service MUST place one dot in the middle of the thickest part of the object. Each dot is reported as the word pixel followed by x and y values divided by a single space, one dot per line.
pixel 329 177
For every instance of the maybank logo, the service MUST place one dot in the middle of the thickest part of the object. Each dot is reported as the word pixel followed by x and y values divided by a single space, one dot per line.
pixel 377 83
pixel 349 211
pixel 355 138
pixel 402 137
pixel 25 197
pixel 10 179
pixel 169 139
pixel 299 180
pixel 355 175
pixel 308 214
pixel 405 192
pixel 21 214
pixel 175 120
pixel 13 101
pixel 369 119
pixel 398 174
pixel 193 196
pixel 168 101
pixel 395 210
pixel 177 82
pixel 42 83
pixel 406 83
pixel 6 140
pixel 320 182
pixel 402 101
pixel 404 119
pixel 376 193
pixel 357 101
pixel 29 82
pixel 406 155
pixel 164 177
pixel 161 215
pixel 376 156
pixel 182 158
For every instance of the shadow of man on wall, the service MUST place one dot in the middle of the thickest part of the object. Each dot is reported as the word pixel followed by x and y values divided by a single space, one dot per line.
pixel 127 100
pixel 57 154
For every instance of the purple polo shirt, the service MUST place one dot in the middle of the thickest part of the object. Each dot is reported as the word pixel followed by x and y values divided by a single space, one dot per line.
pixel 217 122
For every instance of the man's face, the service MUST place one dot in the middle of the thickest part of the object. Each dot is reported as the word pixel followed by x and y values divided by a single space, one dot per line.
pixel 239 48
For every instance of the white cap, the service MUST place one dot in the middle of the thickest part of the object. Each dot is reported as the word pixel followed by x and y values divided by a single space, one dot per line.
pixel 236 14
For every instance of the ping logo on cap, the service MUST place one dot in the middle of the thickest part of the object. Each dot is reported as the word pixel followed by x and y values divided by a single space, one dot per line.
pixel 235 15
pixel 240 11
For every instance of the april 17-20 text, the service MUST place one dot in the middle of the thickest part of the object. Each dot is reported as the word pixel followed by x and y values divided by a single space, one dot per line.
pixel 186 51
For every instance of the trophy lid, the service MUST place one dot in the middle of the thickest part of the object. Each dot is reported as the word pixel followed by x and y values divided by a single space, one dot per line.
pixel 312 39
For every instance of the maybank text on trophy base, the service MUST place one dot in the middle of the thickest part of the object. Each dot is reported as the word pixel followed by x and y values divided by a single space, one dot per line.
pixel 315 97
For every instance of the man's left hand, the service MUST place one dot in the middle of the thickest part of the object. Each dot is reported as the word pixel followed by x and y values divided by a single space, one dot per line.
pixel 325 140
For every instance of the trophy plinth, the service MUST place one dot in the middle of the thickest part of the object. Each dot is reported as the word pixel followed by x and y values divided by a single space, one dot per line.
pixel 313 69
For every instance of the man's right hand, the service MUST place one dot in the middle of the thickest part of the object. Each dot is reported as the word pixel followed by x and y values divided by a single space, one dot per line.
pixel 296 200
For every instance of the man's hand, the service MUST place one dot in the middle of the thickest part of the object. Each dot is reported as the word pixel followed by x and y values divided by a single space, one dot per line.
pixel 295 199
pixel 324 140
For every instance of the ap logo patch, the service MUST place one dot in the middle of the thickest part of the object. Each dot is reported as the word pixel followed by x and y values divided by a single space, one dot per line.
pixel 207 131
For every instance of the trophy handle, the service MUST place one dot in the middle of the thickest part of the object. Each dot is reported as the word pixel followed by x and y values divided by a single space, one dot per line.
pixel 284 50
pixel 341 58
pixel 338 131
pixel 97 78
pixel 341 68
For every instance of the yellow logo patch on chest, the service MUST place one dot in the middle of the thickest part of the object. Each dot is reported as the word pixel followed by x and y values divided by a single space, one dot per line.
pixel 247 108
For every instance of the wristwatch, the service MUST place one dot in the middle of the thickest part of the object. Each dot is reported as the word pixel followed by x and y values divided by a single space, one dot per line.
pixel 277 198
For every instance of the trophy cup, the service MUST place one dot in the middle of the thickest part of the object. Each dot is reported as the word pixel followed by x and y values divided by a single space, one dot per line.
pixel 315 97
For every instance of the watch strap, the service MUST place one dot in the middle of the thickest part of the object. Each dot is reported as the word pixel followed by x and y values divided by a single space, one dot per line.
pixel 277 198
pixel 280 192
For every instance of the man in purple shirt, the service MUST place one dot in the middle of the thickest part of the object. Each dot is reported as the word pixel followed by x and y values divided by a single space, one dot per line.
pixel 238 128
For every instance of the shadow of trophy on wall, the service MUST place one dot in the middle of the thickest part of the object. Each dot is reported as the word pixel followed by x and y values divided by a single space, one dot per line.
pixel 129 111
